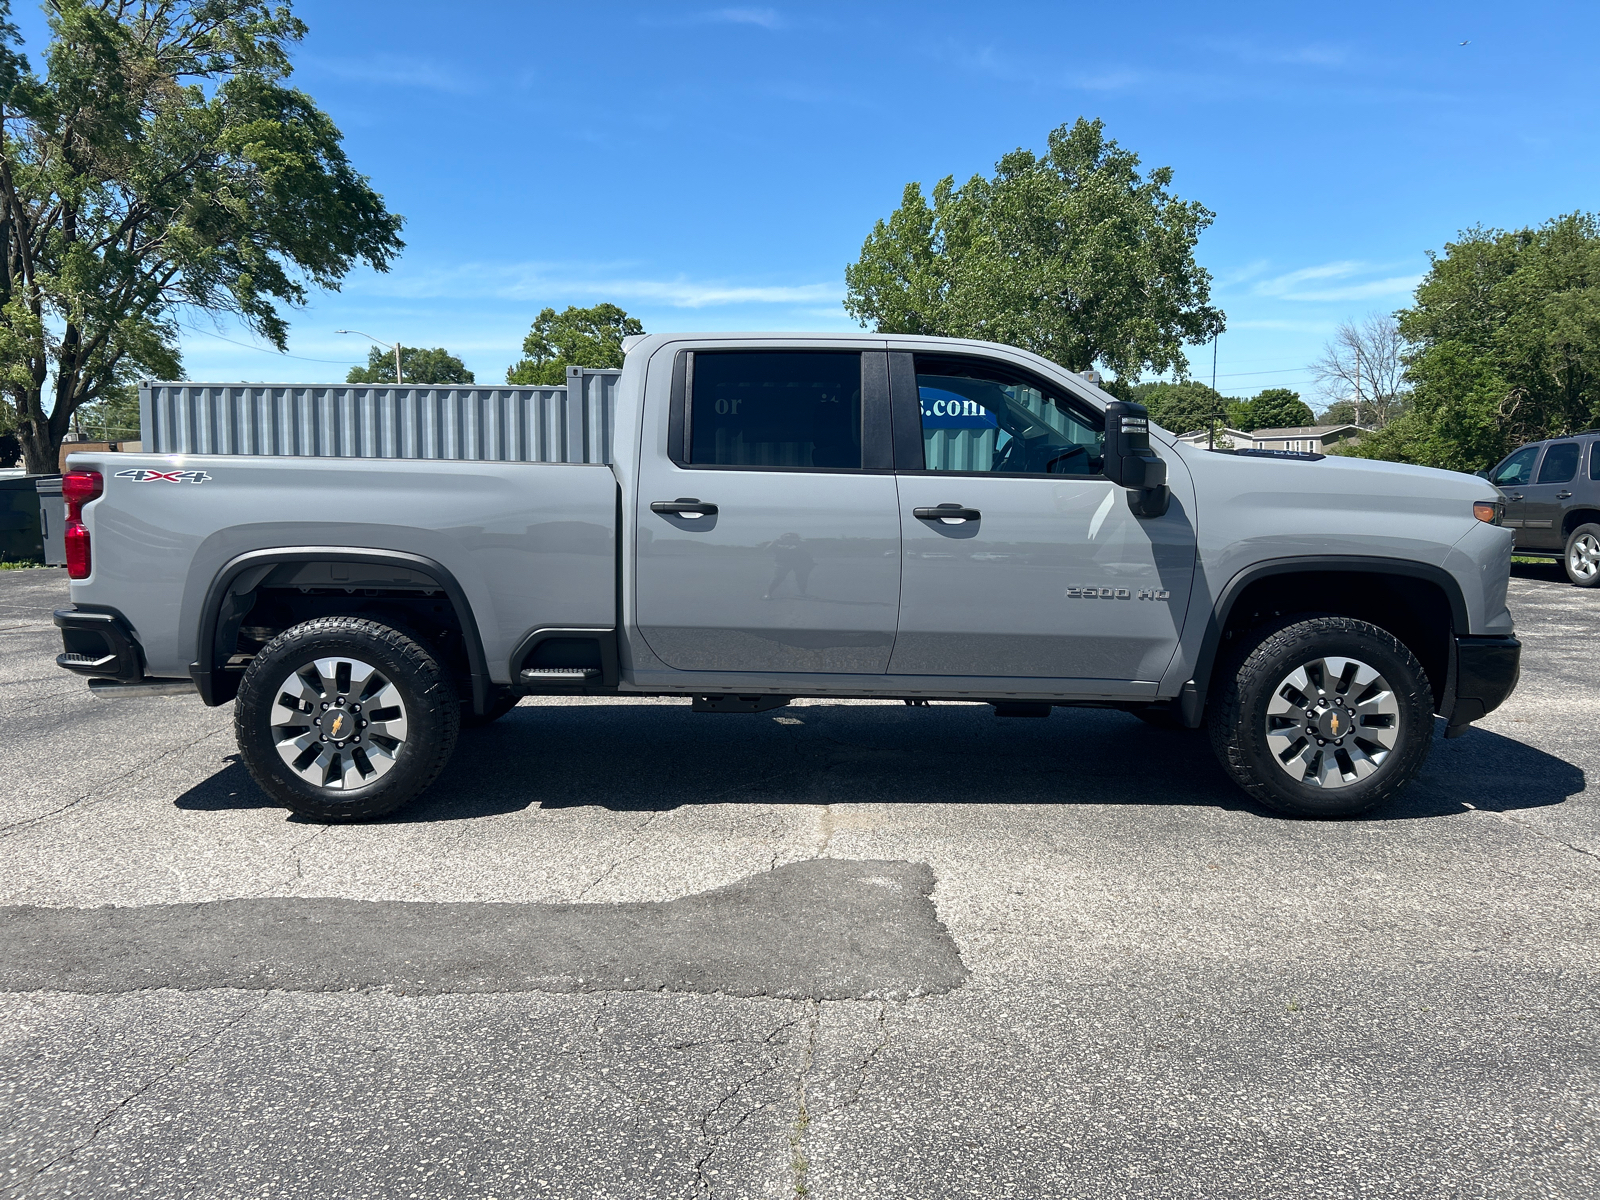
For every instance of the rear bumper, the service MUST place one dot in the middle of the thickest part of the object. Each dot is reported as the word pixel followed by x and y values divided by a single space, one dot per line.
pixel 1487 669
pixel 99 643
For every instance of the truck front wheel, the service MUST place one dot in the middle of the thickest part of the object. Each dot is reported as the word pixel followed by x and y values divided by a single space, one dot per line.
pixel 1322 716
pixel 344 719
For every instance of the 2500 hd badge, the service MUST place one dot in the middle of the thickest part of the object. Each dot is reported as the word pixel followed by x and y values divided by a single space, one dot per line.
pixel 1108 593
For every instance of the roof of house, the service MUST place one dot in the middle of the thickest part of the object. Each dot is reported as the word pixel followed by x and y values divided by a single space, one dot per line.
pixel 1303 431
pixel 1225 431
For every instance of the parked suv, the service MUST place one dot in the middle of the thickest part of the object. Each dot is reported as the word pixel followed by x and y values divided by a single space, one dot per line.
pixel 1552 492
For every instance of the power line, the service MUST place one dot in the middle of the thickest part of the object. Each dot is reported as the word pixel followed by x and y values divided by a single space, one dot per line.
pixel 338 362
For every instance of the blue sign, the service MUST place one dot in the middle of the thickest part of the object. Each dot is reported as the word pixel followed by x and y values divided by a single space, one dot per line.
pixel 946 410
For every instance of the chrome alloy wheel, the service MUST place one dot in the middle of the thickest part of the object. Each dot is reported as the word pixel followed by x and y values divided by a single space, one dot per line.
pixel 1332 722
pixel 338 723
pixel 1583 557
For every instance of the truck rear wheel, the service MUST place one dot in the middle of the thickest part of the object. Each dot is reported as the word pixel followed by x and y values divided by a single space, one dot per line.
pixel 344 719
pixel 1322 716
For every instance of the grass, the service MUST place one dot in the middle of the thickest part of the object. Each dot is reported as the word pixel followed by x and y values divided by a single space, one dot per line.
pixel 18 566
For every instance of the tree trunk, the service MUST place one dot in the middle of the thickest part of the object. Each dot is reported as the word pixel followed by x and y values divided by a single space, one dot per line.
pixel 39 448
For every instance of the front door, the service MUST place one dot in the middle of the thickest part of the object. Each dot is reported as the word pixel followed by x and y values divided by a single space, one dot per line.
pixel 1019 559
pixel 1513 477
pixel 769 534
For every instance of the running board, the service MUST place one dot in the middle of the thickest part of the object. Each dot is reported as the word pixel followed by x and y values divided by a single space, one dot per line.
pixel 560 674
pixel 145 687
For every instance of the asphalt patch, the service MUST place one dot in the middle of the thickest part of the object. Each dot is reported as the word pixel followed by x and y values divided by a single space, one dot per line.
pixel 825 929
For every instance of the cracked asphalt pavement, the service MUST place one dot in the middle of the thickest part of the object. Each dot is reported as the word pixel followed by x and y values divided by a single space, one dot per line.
pixel 842 950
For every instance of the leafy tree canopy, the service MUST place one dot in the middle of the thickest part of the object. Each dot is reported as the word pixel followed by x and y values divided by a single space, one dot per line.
pixel 1274 408
pixel 1505 330
pixel 1181 407
pixel 416 366
pixel 1074 255
pixel 574 337
pixel 160 162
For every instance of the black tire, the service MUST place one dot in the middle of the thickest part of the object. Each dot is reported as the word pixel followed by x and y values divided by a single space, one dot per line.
pixel 1581 558
pixel 1259 670
pixel 499 706
pixel 386 772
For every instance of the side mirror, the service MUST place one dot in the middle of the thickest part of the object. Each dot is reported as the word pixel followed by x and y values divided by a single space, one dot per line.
pixel 1484 474
pixel 1131 462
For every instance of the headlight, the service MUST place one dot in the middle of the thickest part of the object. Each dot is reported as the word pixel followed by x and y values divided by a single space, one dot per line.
pixel 1488 510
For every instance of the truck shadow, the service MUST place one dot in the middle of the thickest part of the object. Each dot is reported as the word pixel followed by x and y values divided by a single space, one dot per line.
pixel 633 757
pixel 652 757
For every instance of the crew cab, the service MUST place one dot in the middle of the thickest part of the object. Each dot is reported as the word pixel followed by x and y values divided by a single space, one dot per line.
pixel 782 516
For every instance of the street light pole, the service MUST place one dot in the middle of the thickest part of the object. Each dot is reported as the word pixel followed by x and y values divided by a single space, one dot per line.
pixel 395 347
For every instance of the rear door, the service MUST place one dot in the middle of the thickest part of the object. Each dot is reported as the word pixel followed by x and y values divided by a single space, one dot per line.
pixel 769 531
pixel 1544 498
pixel 1040 569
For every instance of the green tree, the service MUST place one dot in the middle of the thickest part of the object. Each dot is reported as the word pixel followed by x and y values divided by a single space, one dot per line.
pixel 1182 407
pixel 574 337
pixel 161 162
pixel 1505 331
pixel 1274 408
pixel 416 366
pixel 1340 412
pixel 1074 255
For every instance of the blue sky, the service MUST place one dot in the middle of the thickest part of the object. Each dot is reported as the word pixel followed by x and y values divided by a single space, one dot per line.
pixel 716 167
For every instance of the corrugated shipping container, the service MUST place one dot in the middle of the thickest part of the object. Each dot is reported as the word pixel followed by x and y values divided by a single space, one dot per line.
pixel 503 423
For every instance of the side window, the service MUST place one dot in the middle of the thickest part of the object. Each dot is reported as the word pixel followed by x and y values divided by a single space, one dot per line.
pixel 775 408
pixel 1516 470
pixel 980 415
pixel 1594 460
pixel 1560 463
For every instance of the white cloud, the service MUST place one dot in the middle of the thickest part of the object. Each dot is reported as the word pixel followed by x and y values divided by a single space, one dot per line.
pixel 398 71
pixel 1291 285
pixel 543 281
pixel 766 18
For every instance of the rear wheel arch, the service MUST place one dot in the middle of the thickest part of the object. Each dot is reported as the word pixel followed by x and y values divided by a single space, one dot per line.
pixel 231 592
pixel 1420 604
pixel 1578 516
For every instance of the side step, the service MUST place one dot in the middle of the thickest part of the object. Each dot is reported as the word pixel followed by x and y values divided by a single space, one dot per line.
pixel 149 686
pixel 559 674
pixel 739 704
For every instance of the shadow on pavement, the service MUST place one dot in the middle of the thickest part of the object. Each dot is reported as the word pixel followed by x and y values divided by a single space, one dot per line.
pixel 631 757
pixel 1549 572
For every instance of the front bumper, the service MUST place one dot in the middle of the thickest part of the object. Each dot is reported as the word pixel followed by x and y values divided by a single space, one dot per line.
pixel 1487 669
pixel 99 643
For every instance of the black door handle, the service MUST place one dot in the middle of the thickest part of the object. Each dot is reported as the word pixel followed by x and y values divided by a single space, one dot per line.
pixel 946 512
pixel 683 506
pixel 1563 495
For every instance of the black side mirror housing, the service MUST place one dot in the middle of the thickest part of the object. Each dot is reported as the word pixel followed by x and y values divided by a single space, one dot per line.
pixel 1131 462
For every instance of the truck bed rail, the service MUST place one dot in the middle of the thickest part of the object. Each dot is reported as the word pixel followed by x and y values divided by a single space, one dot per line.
pixel 507 423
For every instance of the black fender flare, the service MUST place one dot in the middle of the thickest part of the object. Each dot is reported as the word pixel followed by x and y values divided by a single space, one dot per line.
pixel 204 669
pixel 1194 693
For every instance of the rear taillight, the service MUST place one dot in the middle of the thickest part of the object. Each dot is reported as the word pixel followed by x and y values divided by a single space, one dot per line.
pixel 77 489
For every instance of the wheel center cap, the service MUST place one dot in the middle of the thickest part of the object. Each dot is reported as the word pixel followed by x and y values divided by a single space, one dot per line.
pixel 337 725
pixel 1334 724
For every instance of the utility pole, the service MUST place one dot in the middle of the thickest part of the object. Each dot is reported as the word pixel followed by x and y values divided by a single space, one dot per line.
pixel 1358 385
pixel 395 347
pixel 1211 429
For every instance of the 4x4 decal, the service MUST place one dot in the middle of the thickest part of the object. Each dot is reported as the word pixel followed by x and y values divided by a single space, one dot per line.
pixel 147 475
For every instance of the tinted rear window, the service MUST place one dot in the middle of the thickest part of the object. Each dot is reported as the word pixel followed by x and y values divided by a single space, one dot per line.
pixel 776 409
pixel 1560 463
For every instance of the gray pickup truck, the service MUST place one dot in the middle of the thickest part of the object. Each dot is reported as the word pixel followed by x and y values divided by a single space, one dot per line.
pixel 782 516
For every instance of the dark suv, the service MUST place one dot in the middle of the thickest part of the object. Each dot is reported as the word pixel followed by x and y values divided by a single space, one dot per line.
pixel 1552 492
